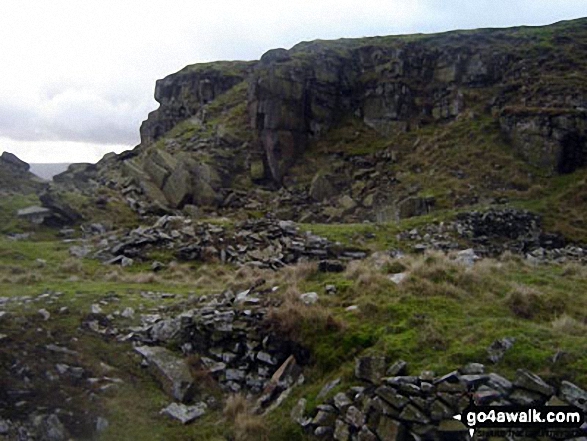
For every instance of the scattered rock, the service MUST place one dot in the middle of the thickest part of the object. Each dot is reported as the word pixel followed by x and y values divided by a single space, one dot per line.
pixel 309 298
pixel 498 348
pixel 183 413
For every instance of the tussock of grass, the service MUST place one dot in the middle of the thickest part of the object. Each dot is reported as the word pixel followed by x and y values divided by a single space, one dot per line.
pixel 567 325
pixel 246 425
pixel 293 319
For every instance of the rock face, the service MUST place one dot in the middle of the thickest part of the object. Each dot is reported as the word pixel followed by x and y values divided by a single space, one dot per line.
pixel 15 175
pixel 183 94
pixel 552 139
pixel 226 129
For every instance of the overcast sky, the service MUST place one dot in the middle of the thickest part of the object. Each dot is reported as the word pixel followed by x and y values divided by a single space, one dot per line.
pixel 77 76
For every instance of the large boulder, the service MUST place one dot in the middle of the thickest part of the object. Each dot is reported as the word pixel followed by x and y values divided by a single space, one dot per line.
pixel 171 371
pixel 321 187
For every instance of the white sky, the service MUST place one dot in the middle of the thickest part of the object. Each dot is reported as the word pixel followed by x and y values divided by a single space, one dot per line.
pixel 77 76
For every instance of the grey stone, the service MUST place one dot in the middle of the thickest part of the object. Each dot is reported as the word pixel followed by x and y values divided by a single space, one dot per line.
pixel 165 330
pixel 327 388
pixel 532 382
pixel 355 417
pixel 321 188
pixel 171 371
pixel 467 257
pixel 341 431
pixel 473 369
pixel 128 312
pixel 34 214
pixel 45 314
pixel 323 418
pixel 412 414
pixel 524 397
pixel 398 278
pixel 4 427
pixel 51 428
pixel 96 309
pixel 498 348
pixel 101 424
pixel 298 411
pixel 341 401
pixel 309 298
pixel 370 368
pixel 366 435
pixel 266 358
pixel 390 430
pixel 574 395
pixel 235 375
pixel 185 414
pixel 392 397
pixel 397 368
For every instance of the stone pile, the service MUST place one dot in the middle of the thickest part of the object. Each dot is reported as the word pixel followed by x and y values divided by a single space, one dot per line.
pixel 264 243
pixel 229 334
pixel 495 231
pixel 388 406
pixel 224 337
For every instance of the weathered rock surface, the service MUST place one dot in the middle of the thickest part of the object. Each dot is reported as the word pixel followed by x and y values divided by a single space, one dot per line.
pixel 171 371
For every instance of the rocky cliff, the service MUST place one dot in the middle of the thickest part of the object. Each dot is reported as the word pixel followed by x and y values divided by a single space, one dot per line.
pixel 374 128
pixel 15 175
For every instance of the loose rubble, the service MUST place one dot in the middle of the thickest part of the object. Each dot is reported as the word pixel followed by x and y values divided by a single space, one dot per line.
pixel 492 233
pixel 264 243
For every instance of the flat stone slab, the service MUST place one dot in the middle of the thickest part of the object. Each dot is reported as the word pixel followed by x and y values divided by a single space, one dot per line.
pixel 170 370
pixel 183 413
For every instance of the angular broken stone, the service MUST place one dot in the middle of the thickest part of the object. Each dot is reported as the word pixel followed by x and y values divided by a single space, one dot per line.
pixel 574 395
pixel 341 431
pixel 498 348
pixel 165 330
pixel 170 370
pixel 183 413
pixel 298 411
pixel 390 430
pixel 355 417
pixel 397 368
pixel 392 397
pixel 327 388
pixel 370 368
pixel 532 382
pixel 309 298
pixel 341 401
pixel 413 414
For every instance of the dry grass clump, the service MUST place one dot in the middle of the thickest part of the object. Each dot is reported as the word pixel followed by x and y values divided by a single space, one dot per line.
pixel 292 318
pixel 294 274
pixel 246 425
pixel 574 269
pixel 366 275
pixel 71 266
pixel 524 301
pixel 27 278
pixel 113 276
pixel 435 274
pixel 565 324
pixel 141 278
